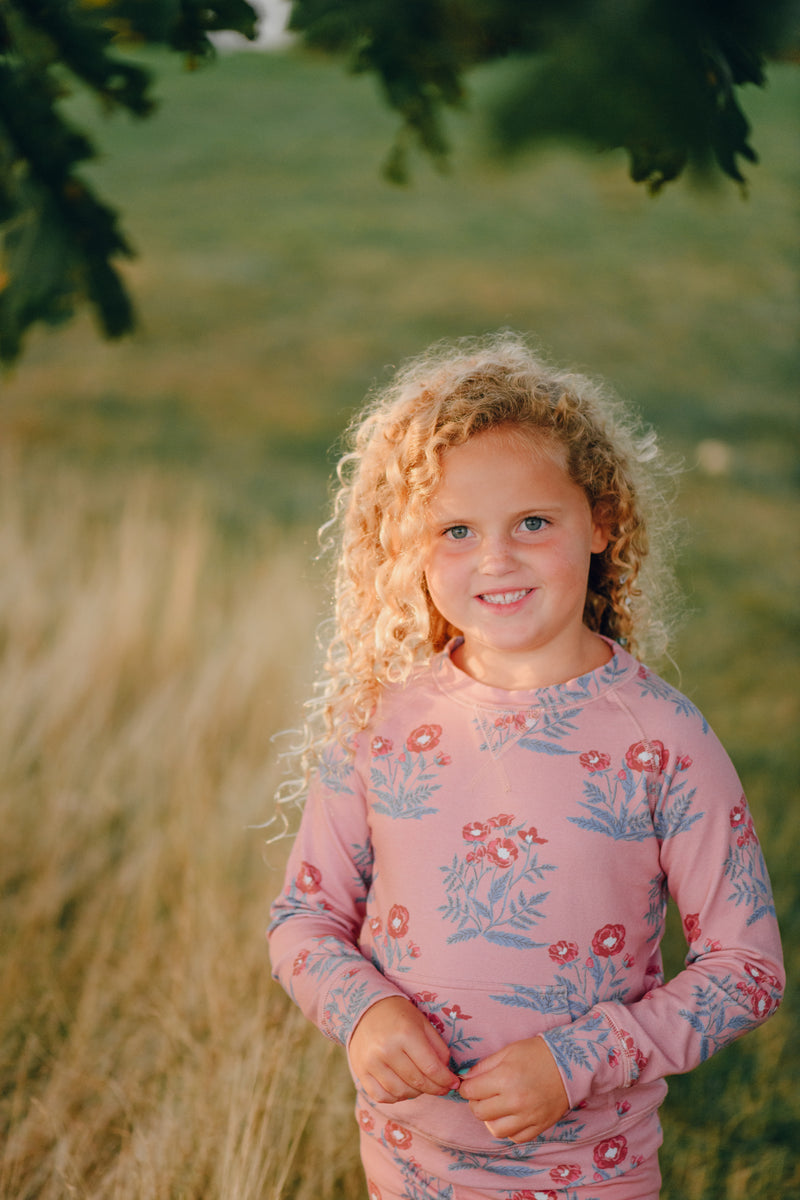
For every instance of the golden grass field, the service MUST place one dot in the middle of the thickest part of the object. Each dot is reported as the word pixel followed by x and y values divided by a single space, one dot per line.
pixel 146 1052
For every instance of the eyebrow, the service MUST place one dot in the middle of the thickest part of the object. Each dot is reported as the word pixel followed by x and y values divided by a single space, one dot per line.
pixel 532 510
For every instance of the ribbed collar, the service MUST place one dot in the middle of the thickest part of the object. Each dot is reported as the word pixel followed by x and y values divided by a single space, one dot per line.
pixel 464 689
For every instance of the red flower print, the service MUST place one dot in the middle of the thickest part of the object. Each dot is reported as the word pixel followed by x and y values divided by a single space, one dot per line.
pixel 638 1056
pixel 424 737
pixel 299 962
pixel 758 975
pixel 593 760
pixel 308 878
pixel 397 1135
pixel 414 950
pixel 366 1120
pixel 476 831
pixel 375 924
pixel 502 819
pixel 628 961
pixel 563 952
pixel 647 756
pixel 623 1106
pixel 609 940
pixel 683 762
pixel 476 855
pixel 531 836
pixel 762 1003
pixel 565 1173
pixel 373 1191
pixel 502 852
pixel 397 924
pixel 436 1021
pixel 443 760
pixel 738 814
pixel 547 1194
pixel 611 1152
pixel 424 997
pixel 691 924
pixel 455 1014
pixel 741 820
pixel 380 746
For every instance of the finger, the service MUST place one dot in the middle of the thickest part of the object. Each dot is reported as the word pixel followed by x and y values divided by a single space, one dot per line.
pixel 427 1074
pixel 436 1041
pixel 487 1064
pixel 387 1087
pixel 480 1087
pixel 415 1075
pixel 513 1129
pixel 495 1108
pixel 528 1134
pixel 438 1067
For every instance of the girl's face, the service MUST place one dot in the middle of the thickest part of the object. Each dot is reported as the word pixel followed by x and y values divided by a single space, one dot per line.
pixel 511 540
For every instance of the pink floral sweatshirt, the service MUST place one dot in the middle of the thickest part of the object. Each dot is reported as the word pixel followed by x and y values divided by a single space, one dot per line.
pixel 503 859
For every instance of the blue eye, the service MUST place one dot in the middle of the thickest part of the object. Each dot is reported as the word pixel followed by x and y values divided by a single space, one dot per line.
pixel 533 524
pixel 457 532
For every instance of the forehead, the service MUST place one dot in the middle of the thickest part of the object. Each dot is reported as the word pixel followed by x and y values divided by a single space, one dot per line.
pixel 504 454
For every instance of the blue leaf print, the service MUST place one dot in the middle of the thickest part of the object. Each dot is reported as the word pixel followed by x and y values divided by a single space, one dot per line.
pixel 514 941
pixel 345 1006
pixel 652 685
pixel 581 1045
pixel 746 868
pixel 335 770
pixel 541 999
pixel 402 783
pixel 485 888
pixel 513 1164
pixel 517 726
pixel 675 819
pixel 541 747
pixel 716 1021
pixel 617 805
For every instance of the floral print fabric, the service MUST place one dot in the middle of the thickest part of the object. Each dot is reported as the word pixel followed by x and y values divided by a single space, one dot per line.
pixel 504 861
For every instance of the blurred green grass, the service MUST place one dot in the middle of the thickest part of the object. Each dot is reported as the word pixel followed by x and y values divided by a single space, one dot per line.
pixel 278 276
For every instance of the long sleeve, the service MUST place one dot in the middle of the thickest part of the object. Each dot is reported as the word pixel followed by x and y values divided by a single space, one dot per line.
pixel 316 920
pixel 503 861
pixel 714 869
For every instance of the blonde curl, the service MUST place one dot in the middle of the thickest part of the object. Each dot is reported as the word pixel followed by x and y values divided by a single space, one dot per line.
pixel 384 623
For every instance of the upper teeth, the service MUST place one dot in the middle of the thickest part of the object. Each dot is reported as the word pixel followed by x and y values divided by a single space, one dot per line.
pixel 505 597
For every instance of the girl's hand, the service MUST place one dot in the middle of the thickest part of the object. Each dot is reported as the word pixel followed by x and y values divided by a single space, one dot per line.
pixel 396 1053
pixel 517 1092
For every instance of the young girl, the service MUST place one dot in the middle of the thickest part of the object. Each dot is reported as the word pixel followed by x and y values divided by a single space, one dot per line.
pixel 502 798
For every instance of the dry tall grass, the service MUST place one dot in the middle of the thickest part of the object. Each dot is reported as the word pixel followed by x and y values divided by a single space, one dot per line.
pixel 144 1051
pixel 145 1054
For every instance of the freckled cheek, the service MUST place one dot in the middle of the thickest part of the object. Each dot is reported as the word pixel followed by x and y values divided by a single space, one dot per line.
pixel 570 568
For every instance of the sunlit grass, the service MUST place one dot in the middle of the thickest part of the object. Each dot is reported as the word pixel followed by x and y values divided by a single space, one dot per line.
pixel 144 665
pixel 145 1051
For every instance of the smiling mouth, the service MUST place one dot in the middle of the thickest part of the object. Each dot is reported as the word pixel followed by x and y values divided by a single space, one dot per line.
pixel 501 598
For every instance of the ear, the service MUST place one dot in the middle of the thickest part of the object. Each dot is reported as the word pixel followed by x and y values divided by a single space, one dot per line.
pixel 600 534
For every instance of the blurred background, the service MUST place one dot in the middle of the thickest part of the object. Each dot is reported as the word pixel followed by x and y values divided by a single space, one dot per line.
pixel 159 589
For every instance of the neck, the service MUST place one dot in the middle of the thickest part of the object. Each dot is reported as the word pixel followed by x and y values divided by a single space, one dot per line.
pixel 530 672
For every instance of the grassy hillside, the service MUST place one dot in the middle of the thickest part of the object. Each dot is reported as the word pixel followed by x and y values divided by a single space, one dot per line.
pixel 158 599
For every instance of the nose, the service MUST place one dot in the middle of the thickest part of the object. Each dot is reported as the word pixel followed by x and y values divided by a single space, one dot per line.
pixel 498 556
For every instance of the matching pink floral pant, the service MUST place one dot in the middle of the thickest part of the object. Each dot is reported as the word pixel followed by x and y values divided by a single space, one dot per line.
pixel 417 1175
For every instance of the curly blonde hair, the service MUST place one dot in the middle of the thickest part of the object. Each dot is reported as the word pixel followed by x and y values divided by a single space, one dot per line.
pixel 384 623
